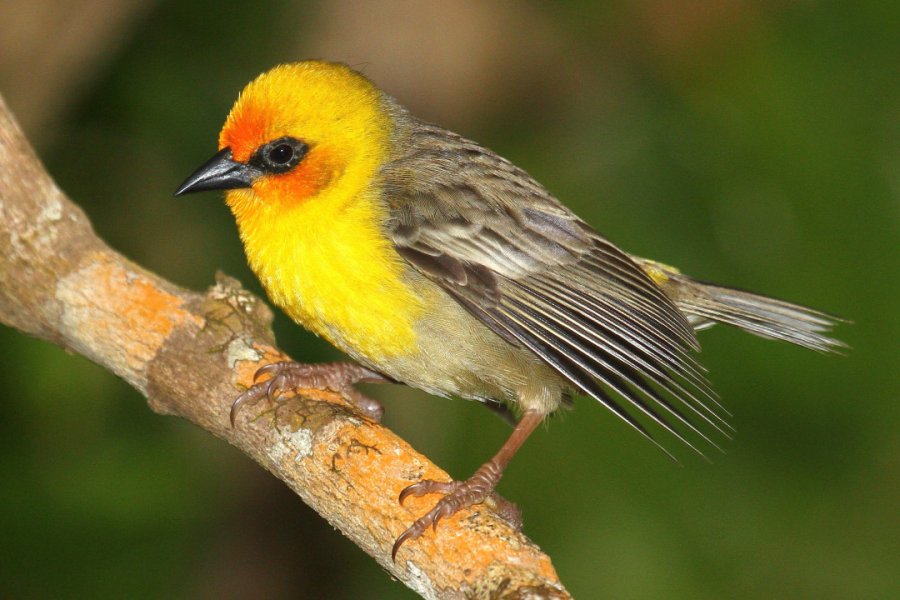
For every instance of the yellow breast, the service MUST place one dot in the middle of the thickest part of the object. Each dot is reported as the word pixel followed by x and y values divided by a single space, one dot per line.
pixel 332 270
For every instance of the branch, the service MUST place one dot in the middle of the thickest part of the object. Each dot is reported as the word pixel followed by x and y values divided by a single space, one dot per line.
pixel 189 354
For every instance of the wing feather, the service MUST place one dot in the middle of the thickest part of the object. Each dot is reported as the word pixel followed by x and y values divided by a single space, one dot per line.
pixel 632 362
pixel 540 278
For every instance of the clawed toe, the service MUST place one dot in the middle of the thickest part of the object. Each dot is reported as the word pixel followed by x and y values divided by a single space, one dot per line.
pixel 445 507
pixel 427 486
pixel 474 490
pixel 251 396
pixel 335 377
pixel 459 495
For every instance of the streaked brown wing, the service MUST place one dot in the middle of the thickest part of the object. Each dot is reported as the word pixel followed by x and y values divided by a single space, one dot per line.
pixel 538 276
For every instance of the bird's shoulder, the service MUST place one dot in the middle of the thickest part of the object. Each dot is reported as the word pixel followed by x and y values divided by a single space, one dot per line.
pixel 455 205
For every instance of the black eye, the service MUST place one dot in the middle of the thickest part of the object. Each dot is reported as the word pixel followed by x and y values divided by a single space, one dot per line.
pixel 279 156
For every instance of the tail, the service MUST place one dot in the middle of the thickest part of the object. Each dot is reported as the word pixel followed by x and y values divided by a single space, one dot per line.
pixel 706 304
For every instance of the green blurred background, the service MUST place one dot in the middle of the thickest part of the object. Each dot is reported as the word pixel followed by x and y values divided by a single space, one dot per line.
pixel 752 143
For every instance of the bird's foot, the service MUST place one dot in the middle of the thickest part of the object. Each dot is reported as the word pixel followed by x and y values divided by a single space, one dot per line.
pixel 336 377
pixel 459 494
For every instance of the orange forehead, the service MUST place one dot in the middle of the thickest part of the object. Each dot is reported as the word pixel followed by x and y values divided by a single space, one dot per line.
pixel 247 128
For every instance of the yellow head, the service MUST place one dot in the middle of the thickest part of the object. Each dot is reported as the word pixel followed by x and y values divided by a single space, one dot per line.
pixel 298 156
pixel 298 132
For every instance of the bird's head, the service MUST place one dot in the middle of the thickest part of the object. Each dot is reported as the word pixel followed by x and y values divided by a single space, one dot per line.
pixel 297 133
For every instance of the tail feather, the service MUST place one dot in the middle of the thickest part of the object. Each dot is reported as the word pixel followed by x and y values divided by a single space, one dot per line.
pixel 706 304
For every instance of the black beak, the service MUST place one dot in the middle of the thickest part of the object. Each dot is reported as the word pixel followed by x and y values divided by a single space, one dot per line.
pixel 220 172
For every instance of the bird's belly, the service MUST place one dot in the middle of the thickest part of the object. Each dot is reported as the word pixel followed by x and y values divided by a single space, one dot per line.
pixel 458 355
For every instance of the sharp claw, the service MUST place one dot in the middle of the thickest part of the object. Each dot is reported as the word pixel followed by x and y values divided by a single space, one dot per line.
pixel 444 509
pixel 411 490
pixel 236 405
pixel 433 517
pixel 426 486
pixel 233 414
pixel 271 390
pixel 265 370
pixel 399 542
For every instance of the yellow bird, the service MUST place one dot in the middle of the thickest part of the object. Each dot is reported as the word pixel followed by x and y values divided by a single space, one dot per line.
pixel 434 262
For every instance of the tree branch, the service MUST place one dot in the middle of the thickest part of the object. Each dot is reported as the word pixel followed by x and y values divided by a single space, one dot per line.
pixel 191 353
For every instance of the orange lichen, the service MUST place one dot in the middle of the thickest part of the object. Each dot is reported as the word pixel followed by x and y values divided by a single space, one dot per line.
pixel 245 370
pixel 119 311
pixel 371 455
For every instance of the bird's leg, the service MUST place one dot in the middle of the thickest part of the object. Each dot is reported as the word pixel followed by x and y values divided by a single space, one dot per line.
pixel 474 490
pixel 336 377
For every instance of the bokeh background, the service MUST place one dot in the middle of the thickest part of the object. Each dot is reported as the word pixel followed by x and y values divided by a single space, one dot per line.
pixel 752 143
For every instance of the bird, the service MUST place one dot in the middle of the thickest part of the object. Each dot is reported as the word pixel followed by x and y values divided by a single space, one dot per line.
pixel 433 262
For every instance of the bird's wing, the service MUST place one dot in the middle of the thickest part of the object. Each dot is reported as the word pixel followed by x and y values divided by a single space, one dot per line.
pixel 539 277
